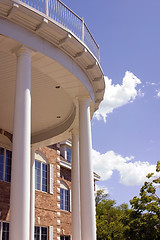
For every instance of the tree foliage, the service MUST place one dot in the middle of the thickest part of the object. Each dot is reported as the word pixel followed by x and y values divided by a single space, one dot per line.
pixel 109 218
pixel 144 221
pixel 141 222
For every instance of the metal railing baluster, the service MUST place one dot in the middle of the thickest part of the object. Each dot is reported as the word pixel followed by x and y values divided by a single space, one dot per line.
pixel 65 16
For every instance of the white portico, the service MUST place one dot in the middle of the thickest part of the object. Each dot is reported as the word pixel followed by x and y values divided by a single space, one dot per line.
pixel 51 85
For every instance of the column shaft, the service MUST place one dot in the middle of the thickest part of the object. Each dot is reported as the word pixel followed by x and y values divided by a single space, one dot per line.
pixel 76 217
pixel 20 178
pixel 88 223
pixel 32 192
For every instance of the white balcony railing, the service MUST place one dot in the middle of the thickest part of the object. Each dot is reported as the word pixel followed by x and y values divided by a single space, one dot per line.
pixel 58 11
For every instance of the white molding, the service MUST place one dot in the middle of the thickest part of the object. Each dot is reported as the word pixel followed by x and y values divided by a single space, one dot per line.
pixel 50 232
pixel 51 178
pixel 65 164
pixel 58 214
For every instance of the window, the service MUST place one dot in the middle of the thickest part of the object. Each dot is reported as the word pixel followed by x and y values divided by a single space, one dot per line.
pixel 4 231
pixel 40 233
pixel 5 164
pixel 69 153
pixel 65 238
pixel 64 197
pixel 41 176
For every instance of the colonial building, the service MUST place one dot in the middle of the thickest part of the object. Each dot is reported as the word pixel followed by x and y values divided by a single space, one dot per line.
pixel 51 85
pixel 53 191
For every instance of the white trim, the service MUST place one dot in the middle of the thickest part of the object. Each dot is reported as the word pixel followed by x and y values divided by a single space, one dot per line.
pixel 67 142
pixel 41 170
pixel 58 222
pixel 40 157
pixel 58 167
pixel 58 214
pixel 70 200
pixel 63 185
pixel 50 232
pixel 51 178
pixel 5 142
pixel 65 164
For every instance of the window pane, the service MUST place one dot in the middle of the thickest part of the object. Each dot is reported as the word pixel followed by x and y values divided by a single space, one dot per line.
pixel 1 162
pixel 43 233
pixel 37 175
pixel 8 166
pixel 67 238
pixel 64 237
pixel 5 232
pixel 69 155
pixel 61 199
pixel 66 200
pixel 44 177
pixel 64 203
pixel 36 233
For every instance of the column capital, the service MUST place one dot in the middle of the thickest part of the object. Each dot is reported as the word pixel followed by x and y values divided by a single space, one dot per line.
pixel 83 98
pixel 74 131
pixel 21 50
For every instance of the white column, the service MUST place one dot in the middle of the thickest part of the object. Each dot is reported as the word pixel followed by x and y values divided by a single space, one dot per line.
pixel 76 215
pixel 88 222
pixel 20 179
pixel 32 192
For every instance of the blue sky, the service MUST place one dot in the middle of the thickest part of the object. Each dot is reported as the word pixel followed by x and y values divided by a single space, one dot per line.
pixel 126 129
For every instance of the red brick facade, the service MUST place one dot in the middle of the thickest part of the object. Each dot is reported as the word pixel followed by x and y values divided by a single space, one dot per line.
pixel 47 206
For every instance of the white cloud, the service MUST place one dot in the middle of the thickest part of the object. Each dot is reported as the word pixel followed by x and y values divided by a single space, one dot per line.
pixel 140 93
pixel 151 83
pixel 118 95
pixel 131 173
pixel 158 93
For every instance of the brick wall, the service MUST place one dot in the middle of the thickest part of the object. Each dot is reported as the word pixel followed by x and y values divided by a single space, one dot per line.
pixel 4 200
pixel 66 228
pixel 47 206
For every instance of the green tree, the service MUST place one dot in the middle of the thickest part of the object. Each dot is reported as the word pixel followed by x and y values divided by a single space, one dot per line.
pixel 101 196
pixel 110 218
pixel 144 220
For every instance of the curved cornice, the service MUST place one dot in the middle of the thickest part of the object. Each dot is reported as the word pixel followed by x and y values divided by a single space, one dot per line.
pixel 57 35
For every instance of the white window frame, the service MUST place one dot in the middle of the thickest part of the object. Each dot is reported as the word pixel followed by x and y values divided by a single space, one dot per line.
pixel 50 232
pixel 4 163
pixel 64 186
pixel 51 178
pixel 41 176
pixel 40 229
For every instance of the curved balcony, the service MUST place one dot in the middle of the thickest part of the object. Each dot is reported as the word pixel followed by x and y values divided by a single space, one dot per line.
pixel 65 54
pixel 58 11
pixel 51 85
